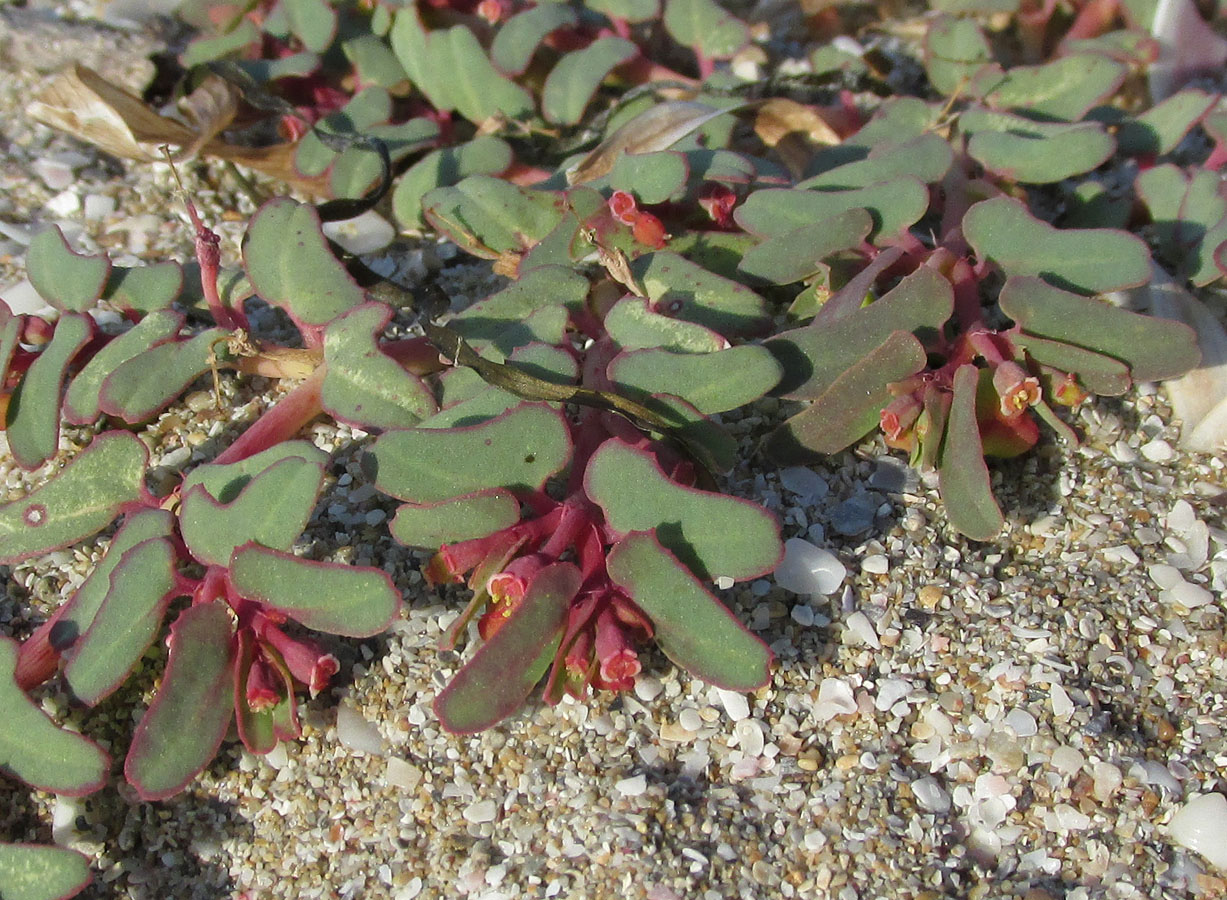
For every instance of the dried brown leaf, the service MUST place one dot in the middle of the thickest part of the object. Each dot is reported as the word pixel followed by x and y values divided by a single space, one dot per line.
pixel 794 130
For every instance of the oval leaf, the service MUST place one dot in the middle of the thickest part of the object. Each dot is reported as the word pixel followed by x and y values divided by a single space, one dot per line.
pixel 711 382
pixel 67 280
pixel 82 399
pixel 963 479
pixel 34 408
pixel 576 77
pixel 31 872
pixel 147 383
pixel 458 519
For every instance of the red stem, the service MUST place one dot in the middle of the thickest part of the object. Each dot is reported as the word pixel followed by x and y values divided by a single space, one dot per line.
pixel 290 415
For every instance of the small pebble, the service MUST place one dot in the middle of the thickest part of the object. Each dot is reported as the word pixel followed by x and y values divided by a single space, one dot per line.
pixel 1022 722
pixel 632 787
pixel 1187 594
pixel 1066 760
pixel 805 483
pixel 355 732
pixel 930 795
pixel 648 688
pixel 1157 451
pixel 362 234
pixel 877 564
pixel 859 630
pixel 480 811
pixel 807 569
pixel 736 706
pixel 690 719
pixel 834 699
pixel 750 737
pixel 802 614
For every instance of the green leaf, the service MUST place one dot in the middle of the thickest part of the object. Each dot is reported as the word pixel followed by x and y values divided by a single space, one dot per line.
pixel 141 586
pixel 332 597
pixel 374 61
pixel 1189 218
pixel 955 52
pixel 926 157
pixel 146 384
pixel 288 261
pixel 485 155
pixel 1065 88
pixel 851 405
pixel 630 11
pixel 1158 130
pixel 36 751
pixel 814 357
pixel 1154 349
pixel 711 382
pixel 83 396
pixel 488 216
pixel 296 65
pixel 518 38
pixel 651 177
pixel 367 108
pixel 798 254
pixel 363 386
pixel 895 206
pixel 314 22
pixel 33 414
pixel 32 872
pixel 10 332
pixel 69 281
pixel 191 710
pixel 272 509
pixel 476 89
pixel 633 325
pixel 507 319
pixel 575 78
pixel 962 473
pixel 144 289
pixel 206 49
pixel 1035 153
pixel 705 27
pixel 458 519
pixel 83 498
pixel 684 290
pixel 1098 373
pixel 714 535
pixel 519 451
pixel 1086 260
pixel 77 615
pixel 692 627
pixel 502 673
pixel 358 168
pixel 225 481
pixel 412 45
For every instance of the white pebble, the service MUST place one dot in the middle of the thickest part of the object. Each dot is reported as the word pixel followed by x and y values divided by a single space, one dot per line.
pixel 1158 451
pixel 834 699
pixel 690 719
pixel 803 614
pixel 750 737
pixel 890 692
pixel 23 300
pixel 807 569
pixel 1165 576
pixel 736 706
pixel 648 688
pixel 805 483
pixel 1062 705
pixel 1107 778
pixel 362 234
pixel 357 733
pixel 1070 819
pixel 1120 553
pixel 481 811
pixel 814 840
pixel 55 174
pixel 65 203
pixel 1187 594
pixel 411 889
pixel 98 206
pixel 877 564
pixel 1201 825
pixel 931 796
pixel 1066 760
pixel 860 631
pixel 632 787
pixel 1022 722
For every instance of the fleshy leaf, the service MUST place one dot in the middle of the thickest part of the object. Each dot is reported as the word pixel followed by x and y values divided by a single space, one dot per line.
pixel 576 77
pixel 358 169
pixel 82 399
pixel 287 259
pixel 34 749
pixel 77 615
pixel 1036 153
pixel 651 177
pixel 366 109
pixel 374 61
pixel 260 731
pixel 458 519
pixel 503 318
pixel 1064 88
pixel 1087 260
pixel 33 872
pixel 626 10
pixel 798 254
pixel 363 386
pixel 633 324
pixel 712 534
pixel 83 498
pixel 684 290
pixel 143 386
pixel 705 27
pixel 520 36
pixel 955 51
pixel 1100 374
pixel 144 289
pixel 206 49
pixel 502 673
pixel 485 155
pixel 272 509
pixel 850 405
pixel 1154 349
pixel 692 627
pixel 926 157
pixel 67 280
pixel 815 356
pixel 962 473
pixel 1189 218
pixel 895 206
pixel 712 382
pixel 10 333
pixel 518 450
pixel 1163 126
pixel 314 22
pixel 191 710
pixel 141 586
pixel 332 597
pixel 34 408
pixel 224 481
pixel 488 217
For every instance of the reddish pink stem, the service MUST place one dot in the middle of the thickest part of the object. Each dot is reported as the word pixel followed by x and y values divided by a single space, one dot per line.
pixel 290 415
